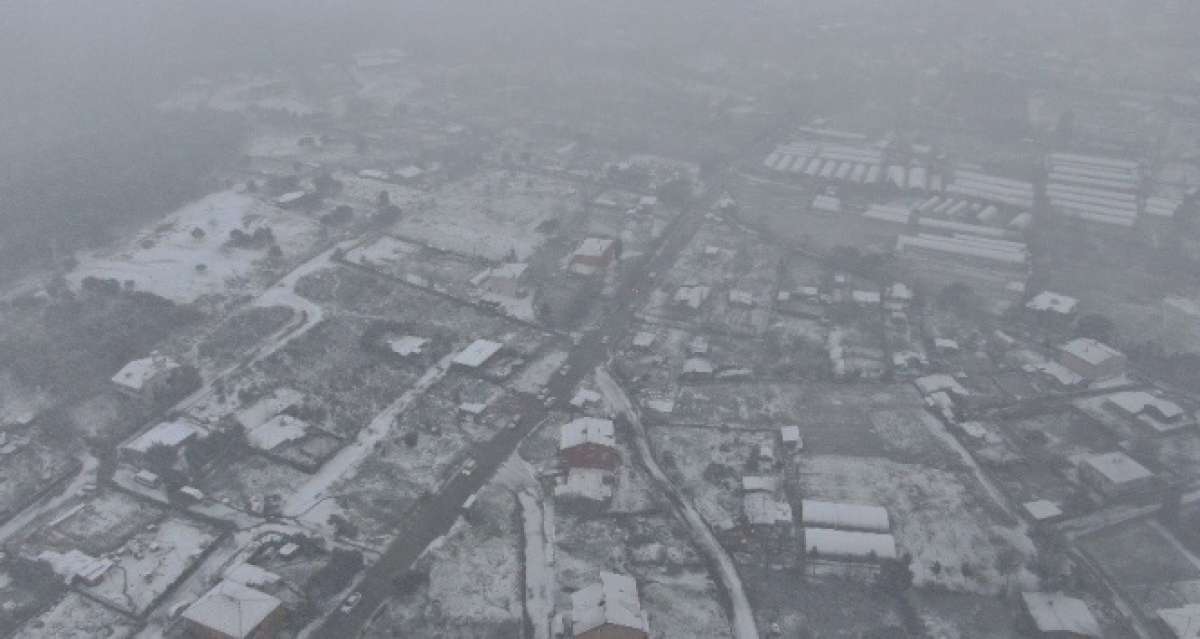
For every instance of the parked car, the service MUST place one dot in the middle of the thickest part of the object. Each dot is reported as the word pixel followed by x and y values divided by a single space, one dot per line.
pixel 350 602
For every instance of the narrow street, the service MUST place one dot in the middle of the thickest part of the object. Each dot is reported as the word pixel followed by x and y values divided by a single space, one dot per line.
pixel 726 571
pixel 432 518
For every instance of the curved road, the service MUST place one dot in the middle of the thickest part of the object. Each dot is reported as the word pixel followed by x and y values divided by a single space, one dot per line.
pixel 743 614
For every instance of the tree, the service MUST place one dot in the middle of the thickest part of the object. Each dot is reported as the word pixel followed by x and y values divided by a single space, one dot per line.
pixel 411 438
pixel 198 233
pixel 384 199
pixel 896 575
pixel 160 458
pixel 1008 561
pixel 1096 326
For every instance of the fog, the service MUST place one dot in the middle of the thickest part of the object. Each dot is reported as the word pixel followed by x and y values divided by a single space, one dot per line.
pixel 573 319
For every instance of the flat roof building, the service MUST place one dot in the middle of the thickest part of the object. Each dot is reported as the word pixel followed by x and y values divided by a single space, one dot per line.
pixel 477 354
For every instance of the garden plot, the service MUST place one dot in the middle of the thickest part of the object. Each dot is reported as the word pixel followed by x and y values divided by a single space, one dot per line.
pixel 239 334
pixel 77 617
pixel 806 606
pixel 329 365
pixel 165 259
pixel 24 593
pixel 156 559
pixel 1147 562
pixel 21 402
pixel 954 535
pixel 97 525
pixel 474 578
pixel 492 215
pixel 27 469
pixel 949 615
pixel 1063 434
pixel 244 482
pixel 739 272
pixel 708 465
pixel 440 271
pixel 362 194
pixel 108 418
pixel 427 442
pixel 425 313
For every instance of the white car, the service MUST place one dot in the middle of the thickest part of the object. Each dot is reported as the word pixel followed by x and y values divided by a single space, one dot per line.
pixel 350 602
pixel 468 468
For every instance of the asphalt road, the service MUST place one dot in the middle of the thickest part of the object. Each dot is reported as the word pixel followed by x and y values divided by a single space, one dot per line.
pixel 435 517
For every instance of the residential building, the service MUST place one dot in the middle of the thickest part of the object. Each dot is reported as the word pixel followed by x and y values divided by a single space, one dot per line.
pixel 1091 359
pixel 1115 474
pixel 1057 616
pixel 174 435
pixel 589 442
pixel 585 487
pixel 144 378
pixel 594 253
pixel 233 611
pixel 609 609
pixel 477 354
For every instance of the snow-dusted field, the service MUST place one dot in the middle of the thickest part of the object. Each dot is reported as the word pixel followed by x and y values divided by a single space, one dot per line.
pixel 938 516
pixel 151 563
pixel 163 258
pixel 489 216
pixel 77 617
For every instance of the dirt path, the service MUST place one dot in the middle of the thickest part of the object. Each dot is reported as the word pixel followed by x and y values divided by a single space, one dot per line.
pixel 742 614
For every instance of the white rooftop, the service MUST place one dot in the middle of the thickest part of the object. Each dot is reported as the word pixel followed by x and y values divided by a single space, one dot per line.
pixel 276 431
pixel 252 576
pixel 478 353
pixel 1058 613
pixel 789 434
pixel 756 483
pixel 1050 301
pixel 136 374
pixel 765 509
pixel 232 609
pixel 407 345
pixel 1042 509
pixel 1091 351
pixel 1136 402
pixel 851 544
pixel 587 430
pixel 613 600
pixel 585 483
pixel 593 247
pixel 74 564
pixel 1183 622
pixel 171 434
pixel 1117 467
pixel 644 339
pixel 825 514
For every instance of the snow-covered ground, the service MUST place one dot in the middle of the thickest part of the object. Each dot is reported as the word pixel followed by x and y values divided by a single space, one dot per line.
pixel 489 216
pixel 743 624
pixel 163 258
pixel 307 503
pixel 937 516
pixel 537 374
pixel 77 617
pixel 151 562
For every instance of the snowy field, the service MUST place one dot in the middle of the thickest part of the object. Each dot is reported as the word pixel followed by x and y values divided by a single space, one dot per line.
pixel 163 259
pixel 475 577
pixel 156 559
pixel 490 216
pixel 77 617
pixel 937 517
